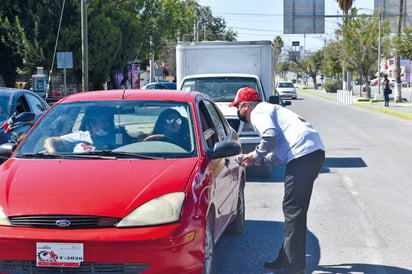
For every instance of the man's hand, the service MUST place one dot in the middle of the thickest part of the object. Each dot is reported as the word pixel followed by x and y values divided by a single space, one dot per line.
pixel 246 160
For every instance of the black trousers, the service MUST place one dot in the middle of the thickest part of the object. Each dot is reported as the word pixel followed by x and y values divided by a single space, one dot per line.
pixel 299 178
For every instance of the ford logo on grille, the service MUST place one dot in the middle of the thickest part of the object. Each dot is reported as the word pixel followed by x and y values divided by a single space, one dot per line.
pixel 63 223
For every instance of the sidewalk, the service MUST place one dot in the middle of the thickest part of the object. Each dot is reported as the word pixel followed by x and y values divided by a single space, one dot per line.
pixel 403 109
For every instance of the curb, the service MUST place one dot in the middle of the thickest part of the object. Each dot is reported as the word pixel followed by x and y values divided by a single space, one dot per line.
pixel 367 103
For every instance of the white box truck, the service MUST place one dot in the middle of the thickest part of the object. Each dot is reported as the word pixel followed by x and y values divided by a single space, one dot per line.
pixel 219 69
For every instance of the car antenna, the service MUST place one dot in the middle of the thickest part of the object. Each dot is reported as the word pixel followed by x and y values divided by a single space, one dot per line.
pixel 124 91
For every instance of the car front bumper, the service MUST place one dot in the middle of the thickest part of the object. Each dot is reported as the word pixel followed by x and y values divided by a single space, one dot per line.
pixel 174 248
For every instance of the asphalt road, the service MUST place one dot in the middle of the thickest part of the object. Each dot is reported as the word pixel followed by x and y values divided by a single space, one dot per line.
pixel 360 218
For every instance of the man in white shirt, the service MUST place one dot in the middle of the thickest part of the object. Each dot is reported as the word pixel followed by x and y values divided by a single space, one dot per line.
pixel 100 134
pixel 287 139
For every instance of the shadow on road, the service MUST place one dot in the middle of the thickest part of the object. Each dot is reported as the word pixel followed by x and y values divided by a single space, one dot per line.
pixel 278 171
pixel 260 242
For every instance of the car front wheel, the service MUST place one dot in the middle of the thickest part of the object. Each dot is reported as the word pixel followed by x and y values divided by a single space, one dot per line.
pixel 209 262
pixel 238 225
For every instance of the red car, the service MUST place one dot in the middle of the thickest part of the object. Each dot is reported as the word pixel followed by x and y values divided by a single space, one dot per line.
pixel 126 182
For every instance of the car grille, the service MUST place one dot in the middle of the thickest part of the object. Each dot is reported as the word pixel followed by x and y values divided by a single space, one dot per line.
pixel 29 267
pixel 64 221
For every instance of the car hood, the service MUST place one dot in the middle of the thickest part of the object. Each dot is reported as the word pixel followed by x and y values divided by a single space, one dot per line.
pixel 88 187
pixel 226 110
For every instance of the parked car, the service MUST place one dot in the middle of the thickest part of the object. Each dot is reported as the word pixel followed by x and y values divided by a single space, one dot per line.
pixel 358 81
pixel 160 85
pixel 101 184
pixel 14 102
pixel 392 82
pixel 286 90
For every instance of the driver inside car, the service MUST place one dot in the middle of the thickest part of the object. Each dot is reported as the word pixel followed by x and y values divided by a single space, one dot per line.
pixel 100 134
pixel 171 127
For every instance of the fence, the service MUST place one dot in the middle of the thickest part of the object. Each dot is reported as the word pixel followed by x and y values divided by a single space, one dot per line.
pixel 344 96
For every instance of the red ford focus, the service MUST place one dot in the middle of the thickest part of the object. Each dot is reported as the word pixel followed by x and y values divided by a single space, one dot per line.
pixel 127 182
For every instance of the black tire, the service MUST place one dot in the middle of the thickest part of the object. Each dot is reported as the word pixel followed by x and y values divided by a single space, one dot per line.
pixel 238 225
pixel 209 260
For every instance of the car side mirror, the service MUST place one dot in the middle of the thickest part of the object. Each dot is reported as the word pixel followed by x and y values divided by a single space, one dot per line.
pixel 225 149
pixel 7 149
pixel 25 117
pixel 275 99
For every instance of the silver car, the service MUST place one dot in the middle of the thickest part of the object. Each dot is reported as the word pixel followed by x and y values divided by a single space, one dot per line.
pixel 287 90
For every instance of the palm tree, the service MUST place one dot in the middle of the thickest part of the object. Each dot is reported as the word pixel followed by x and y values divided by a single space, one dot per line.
pixel 345 5
pixel 278 42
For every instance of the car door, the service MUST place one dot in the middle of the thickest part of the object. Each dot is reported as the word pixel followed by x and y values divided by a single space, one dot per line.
pixel 225 170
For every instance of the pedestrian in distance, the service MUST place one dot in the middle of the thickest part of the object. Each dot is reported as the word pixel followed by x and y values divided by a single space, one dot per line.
pixel 386 89
pixel 286 138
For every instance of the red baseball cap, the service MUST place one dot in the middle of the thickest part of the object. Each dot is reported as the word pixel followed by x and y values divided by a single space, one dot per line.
pixel 246 94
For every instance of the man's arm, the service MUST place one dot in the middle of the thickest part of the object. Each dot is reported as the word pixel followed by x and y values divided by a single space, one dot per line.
pixel 53 144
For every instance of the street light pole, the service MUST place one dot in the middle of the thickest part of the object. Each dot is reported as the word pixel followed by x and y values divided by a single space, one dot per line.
pixel 85 56
pixel 379 51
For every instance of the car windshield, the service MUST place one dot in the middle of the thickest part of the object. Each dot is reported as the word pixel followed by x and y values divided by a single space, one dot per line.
pixel 113 129
pixel 285 85
pixel 220 89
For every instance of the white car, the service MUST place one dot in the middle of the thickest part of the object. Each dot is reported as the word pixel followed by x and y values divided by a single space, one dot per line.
pixel 287 90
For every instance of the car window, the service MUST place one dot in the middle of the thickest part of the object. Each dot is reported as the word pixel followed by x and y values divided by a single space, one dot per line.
pixel 285 85
pixel 22 105
pixel 35 104
pixel 155 128
pixel 220 89
pixel 221 131
pixel 208 129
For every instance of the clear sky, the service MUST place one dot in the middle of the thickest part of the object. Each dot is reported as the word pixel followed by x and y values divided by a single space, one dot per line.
pixel 263 20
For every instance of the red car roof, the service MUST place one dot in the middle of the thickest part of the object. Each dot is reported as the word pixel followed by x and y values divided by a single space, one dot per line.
pixel 131 94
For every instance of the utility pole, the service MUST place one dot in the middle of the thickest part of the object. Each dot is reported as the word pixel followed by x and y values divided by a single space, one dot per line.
pixel 379 51
pixel 398 85
pixel 85 55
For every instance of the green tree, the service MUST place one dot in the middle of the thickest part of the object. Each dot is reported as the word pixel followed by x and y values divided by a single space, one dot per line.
pixel 212 28
pixel 278 43
pixel 25 36
pixel 313 65
pixel 357 45
pixel 332 65
pixel 118 31
pixel 404 43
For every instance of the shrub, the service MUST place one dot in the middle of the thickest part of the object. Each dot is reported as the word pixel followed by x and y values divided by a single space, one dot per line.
pixel 332 86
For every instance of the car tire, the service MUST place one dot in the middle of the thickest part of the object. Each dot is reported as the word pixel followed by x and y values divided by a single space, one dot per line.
pixel 238 225
pixel 209 261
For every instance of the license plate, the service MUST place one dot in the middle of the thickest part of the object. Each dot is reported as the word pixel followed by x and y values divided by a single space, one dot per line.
pixel 59 254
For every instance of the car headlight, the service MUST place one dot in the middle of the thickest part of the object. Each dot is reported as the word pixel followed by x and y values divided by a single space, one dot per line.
pixel 161 210
pixel 4 220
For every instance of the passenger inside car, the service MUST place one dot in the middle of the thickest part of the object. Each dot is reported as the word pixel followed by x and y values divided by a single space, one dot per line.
pixel 171 127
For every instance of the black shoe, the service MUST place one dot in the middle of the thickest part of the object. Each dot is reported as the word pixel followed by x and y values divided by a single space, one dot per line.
pixel 276 264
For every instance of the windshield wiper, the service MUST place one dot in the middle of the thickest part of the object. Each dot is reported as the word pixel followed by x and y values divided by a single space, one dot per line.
pixel 116 154
pixel 40 155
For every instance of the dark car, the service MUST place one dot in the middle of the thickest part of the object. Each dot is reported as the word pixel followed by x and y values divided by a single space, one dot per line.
pixel 13 103
pixel 160 85
pixel 358 81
